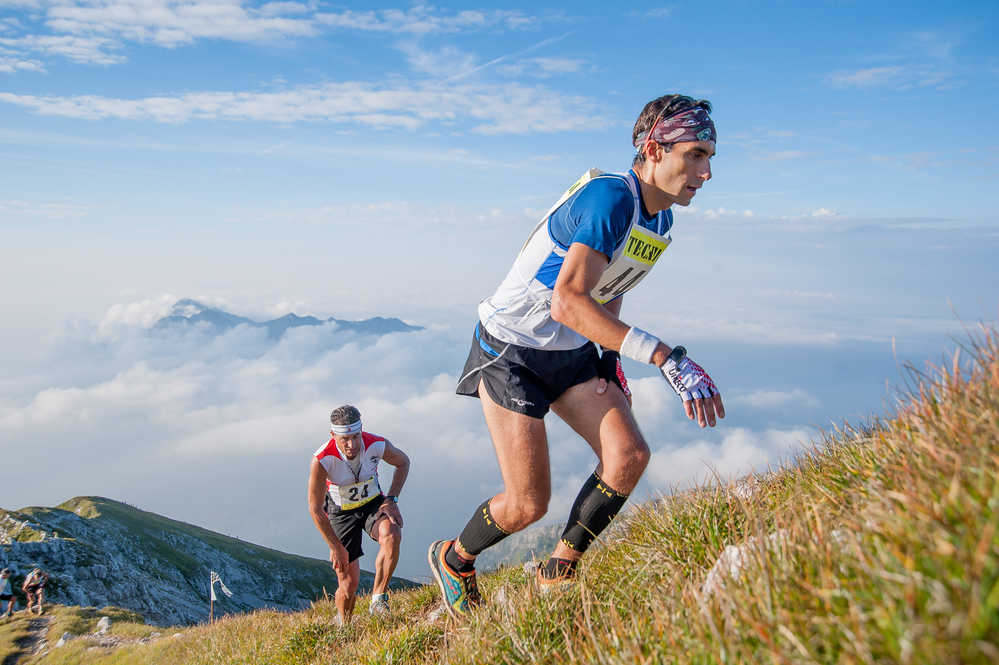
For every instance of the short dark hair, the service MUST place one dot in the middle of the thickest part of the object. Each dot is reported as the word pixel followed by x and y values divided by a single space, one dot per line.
pixel 664 107
pixel 345 415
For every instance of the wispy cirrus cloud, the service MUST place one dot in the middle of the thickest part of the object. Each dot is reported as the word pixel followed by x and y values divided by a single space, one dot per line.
pixel 11 63
pixel 507 109
pixel 900 77
pixel 424 19
pixel 779 155
pixel 410 214
pixel 83 50
pixel 85 31
pixel 49 210
pixel 173 22
pixel 541 67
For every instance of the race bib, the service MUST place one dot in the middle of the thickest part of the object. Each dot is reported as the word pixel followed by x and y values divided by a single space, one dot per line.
pixel 355 496
pixel 642 249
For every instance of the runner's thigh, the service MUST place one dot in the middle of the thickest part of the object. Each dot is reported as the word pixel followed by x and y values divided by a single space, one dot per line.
pixel 605 421
pixel 521 448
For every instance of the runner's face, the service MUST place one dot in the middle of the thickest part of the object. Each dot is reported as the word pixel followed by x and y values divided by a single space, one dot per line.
pixel 684 170
pixel 350 444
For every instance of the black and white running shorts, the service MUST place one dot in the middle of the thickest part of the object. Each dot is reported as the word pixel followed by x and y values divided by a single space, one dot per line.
pixel 349 524
pixel 523 379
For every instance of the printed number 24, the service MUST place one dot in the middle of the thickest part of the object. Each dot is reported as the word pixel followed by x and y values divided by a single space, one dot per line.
pixel 354 490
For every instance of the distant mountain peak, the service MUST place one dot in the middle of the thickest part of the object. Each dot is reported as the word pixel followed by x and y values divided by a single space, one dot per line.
pixel 187 308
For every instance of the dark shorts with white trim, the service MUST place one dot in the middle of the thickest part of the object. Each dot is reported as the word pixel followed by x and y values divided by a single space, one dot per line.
pixel 349 524
pixel 522 379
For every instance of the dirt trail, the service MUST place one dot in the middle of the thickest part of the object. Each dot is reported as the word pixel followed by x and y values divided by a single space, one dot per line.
pixel 33 642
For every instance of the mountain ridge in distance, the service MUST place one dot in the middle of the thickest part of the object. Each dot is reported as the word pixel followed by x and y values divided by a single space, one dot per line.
pixel 187 312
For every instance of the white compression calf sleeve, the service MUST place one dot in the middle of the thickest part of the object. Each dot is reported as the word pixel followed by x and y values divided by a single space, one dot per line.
pixel 639 345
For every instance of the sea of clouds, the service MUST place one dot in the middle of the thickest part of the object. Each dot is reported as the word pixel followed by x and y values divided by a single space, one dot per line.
pixel 217 428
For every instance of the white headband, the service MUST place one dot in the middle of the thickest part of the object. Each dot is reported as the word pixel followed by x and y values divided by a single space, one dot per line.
pixel 353 428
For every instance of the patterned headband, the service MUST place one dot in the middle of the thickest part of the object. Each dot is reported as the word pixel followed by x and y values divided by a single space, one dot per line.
pixel 352 428
pixel 690 125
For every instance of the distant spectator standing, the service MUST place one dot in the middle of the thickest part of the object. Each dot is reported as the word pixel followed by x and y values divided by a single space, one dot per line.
pixel 34 588
pixel 345 499
pixel 7 592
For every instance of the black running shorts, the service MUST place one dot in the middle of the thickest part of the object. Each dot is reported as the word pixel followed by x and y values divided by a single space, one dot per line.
pixel 522 379
pixel 349 524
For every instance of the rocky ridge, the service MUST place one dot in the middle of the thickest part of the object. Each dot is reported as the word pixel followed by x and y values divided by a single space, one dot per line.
pixel 186 313
pixel 101 552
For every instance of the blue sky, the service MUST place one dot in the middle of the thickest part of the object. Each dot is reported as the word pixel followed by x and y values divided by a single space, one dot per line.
pixel 389 160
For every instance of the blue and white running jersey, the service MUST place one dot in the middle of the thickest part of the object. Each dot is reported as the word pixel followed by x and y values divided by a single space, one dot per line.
pixel 602 211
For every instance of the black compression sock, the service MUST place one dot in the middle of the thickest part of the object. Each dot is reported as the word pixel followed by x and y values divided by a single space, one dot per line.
pixel 594 508
pixel 458 563
pixel 481 532
pixel 556 568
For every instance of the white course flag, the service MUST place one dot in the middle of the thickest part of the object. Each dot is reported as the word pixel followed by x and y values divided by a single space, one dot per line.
pixel 215 578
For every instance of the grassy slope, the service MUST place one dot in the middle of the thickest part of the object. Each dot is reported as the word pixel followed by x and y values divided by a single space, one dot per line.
pixel 880 545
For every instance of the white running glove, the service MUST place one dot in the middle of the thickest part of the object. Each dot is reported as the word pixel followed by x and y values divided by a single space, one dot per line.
pixel 688 379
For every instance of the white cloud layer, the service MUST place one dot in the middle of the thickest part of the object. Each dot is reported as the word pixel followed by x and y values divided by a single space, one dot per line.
pixel 770 399
pixel 221 427
pixel 506 109
pixel 739 451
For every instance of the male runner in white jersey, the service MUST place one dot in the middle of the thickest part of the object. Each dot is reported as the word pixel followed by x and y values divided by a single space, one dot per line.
pixel 345 499
pixel 534 347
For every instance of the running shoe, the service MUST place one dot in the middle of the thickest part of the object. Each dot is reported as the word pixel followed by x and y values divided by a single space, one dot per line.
pixel 459 591
pixel 379 604
pixel 557 584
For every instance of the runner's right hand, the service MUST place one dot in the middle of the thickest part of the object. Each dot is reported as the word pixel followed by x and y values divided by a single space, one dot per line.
pixel 339 557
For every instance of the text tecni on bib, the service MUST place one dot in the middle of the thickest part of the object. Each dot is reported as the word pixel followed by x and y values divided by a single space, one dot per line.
pixel 642 249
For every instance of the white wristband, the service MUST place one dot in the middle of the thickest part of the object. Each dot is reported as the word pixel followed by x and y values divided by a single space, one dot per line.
pixel 639 345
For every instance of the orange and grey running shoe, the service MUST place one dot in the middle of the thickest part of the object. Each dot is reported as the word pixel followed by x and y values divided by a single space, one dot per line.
pixel 458 590
pixel 555 578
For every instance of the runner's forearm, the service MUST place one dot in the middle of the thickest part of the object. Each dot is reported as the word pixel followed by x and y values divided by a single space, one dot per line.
pixel 596 322
pixel 323 524
pixel 398 479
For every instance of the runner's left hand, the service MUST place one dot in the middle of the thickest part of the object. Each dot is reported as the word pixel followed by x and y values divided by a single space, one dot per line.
pixel 390 509
pixel 700 396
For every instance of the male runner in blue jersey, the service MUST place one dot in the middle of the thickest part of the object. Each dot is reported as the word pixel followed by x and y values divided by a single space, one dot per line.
pixel 534 348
